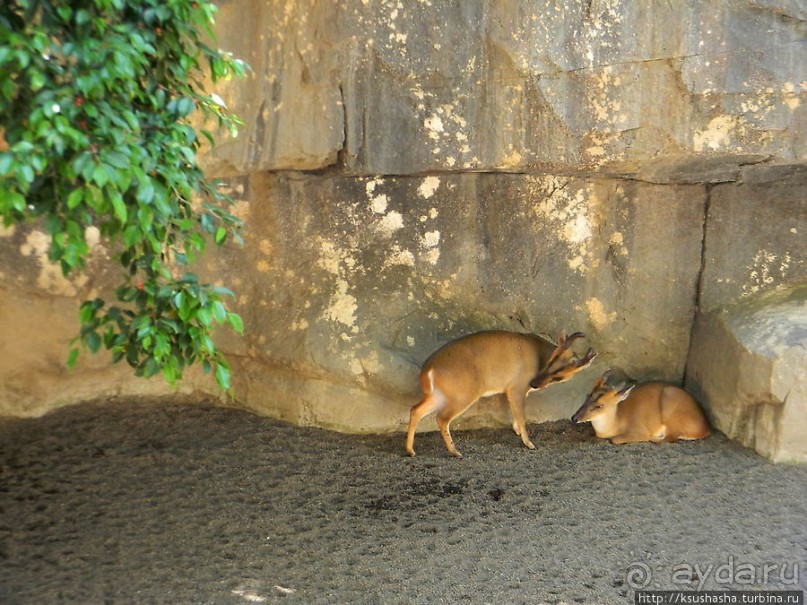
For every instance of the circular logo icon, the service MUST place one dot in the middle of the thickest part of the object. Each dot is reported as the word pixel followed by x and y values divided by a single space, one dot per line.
pixel 638 575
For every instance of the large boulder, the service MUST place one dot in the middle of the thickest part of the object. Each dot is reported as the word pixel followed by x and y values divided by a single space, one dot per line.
pixel 749 362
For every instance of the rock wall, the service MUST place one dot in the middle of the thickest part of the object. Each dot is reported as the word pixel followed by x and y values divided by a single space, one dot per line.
pixel 390 87
pixel 38 318
pixel 353 281
pixel 412 171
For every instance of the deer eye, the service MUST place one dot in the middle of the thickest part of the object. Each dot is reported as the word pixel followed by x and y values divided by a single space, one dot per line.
pixel 597 407
pixel 556 379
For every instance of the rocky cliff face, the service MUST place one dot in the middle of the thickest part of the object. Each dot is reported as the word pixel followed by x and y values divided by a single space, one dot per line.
pixel 387 87
pixel 412 171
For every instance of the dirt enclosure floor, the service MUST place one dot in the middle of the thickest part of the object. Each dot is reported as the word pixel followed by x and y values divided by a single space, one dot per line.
pixel 129 502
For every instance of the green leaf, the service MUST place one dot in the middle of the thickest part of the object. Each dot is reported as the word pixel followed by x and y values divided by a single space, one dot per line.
pixel 89 309
pixel 117 159
pixel 207 223
pixel 6 163
pixel 7 88
pixel 11 200
pixel 65 12
pixel 151 367
pixel 175 327
pixel 164 292
pixel 204 317
pixel 219 312
pixel 161 201
pixel 236 322
pixel 119 208
pixel 99 175
pixel 81 162
pixel 75 198
pixel 223 376
pixel 37 80
pixel 72 358
pixel 161 345
pixel 185 106
pixel 132 236
pixel 206 343
pixel 145 192
pixel 196 242
pixel 221 235
pixel 145 217
pixel 93 341
pixel 170 373
pixel 26 173
pixel 221 290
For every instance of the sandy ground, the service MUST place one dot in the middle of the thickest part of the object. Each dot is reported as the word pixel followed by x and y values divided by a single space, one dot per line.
pixel 130 502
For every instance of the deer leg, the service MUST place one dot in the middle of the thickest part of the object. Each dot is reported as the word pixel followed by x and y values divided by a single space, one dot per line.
pixel 426 406
pixel 629 437
pixel 444 419
pixel 443 424
pixel 517 401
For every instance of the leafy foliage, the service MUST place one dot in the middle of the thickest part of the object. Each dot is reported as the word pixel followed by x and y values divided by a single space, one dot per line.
pixel 95 101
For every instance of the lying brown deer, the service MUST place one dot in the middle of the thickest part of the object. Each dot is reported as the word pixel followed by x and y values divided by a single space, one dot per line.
pixel 654 411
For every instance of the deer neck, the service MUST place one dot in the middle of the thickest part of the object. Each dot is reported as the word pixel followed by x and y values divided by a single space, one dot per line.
pixel 606 424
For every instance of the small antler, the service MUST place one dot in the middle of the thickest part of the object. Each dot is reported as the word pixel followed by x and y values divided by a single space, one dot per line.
pixel 616 379
pixel 587 359
pixel 566 341
pixel 602 381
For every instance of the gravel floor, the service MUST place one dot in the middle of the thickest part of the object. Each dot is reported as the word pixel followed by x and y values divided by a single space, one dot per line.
pixel 133 502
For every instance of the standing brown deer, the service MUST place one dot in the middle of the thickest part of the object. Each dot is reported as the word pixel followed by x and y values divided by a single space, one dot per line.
pixel 488 363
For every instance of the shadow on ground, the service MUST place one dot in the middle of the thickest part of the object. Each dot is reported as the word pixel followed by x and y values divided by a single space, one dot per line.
pixel 130 502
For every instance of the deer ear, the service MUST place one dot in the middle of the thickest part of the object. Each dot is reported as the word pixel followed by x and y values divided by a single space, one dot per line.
pixel 625 391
